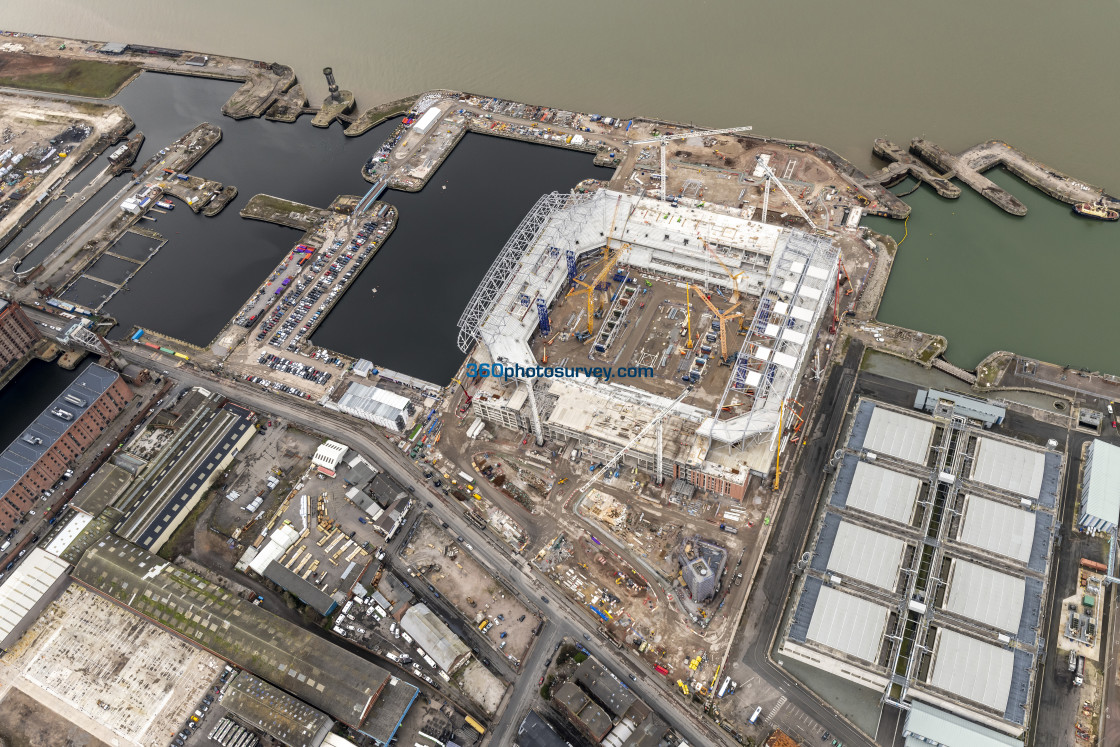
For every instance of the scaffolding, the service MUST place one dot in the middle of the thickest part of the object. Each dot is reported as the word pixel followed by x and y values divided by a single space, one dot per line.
pixel 768 364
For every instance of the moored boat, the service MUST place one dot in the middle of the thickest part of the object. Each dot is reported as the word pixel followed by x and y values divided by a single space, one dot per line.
pixel 1095 210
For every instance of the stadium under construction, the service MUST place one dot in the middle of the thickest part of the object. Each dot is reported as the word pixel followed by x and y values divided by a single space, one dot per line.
pixel 721 313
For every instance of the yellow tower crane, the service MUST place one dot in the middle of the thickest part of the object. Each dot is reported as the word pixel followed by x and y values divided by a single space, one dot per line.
pixel 605 266
pixel 734 278
pixel 723 318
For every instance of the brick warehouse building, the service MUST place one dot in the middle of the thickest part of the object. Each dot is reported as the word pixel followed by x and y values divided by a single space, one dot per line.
pixel 17 334
pixel 57 437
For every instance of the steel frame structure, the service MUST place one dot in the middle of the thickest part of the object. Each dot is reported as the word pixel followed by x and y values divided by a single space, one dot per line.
pixel 505 265
pixel 800 248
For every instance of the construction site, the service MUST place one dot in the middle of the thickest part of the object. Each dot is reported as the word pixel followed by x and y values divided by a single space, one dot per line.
pixel 433 556
pixel 706 371
pixel 729 167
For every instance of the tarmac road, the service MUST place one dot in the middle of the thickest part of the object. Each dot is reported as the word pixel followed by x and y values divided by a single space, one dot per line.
pixel 772 584
pixel 487 549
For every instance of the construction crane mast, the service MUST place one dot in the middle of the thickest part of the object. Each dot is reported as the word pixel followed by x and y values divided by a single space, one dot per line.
pixel 655 421
pixel 734 278
pixel 722 317
pixel 608 263
pixel 665 139
pixel 766 194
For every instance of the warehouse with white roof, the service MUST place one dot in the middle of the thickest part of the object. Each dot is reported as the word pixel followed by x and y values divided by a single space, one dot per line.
pixel 900 436
pixel 849 624
pixel 997 527
pixel 28 589
pixel 928 569
pixel 866 555
pixel 433 636
pixel 1100 488
pixel 1009 467
pixel 988 596
pixel 379 406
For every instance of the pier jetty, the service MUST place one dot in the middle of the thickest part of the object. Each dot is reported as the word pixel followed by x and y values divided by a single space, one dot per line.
pixel 960 167
pixel 969 166
pixel 263 85
pixel 903 164
pixel 283 212
pixel 288 106
pixel 124 156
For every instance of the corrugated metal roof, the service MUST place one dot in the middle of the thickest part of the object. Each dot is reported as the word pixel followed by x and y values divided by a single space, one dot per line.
pixel 434 637
pixel 1100 496
pixel 870 556
pixel 963 404
pixel 311 668
pixel 307 592
pixel 26 586
pixel 936 726
pixel 848 623
pixel 987 596
pixel 68 532
pixel 1009 467
pixel 972 669
pixel 277 713
pixel 884 492
pixel 998 527
pixel 900 436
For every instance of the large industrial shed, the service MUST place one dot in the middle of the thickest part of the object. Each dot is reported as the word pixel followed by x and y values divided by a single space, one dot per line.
pixel 349 688
pixel 27 591
pixel 1100 488
pixel 430 634
pixel 937 531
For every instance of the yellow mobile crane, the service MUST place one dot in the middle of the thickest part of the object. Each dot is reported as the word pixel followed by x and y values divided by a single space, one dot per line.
pixel 722 320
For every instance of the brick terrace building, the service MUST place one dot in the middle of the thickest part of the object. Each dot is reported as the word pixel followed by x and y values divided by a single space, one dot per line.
pixel 69 425
pixel 17 334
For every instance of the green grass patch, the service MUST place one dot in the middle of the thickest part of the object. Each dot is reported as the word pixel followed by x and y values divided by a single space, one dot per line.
pixel 90 78
pixel 182 541
pixel 267 203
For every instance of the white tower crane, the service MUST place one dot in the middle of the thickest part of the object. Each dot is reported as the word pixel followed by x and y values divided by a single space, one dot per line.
pixel 766 194
pixel 664 139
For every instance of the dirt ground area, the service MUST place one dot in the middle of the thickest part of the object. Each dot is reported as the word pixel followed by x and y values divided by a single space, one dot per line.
pixel 25 722
pixel 481 685
pixel 91 78
pixel 436 556
pixel 637 593
pixel 27 126
pixel 431 152
pixel 656 335
pixel 721 170
pixel 275 449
